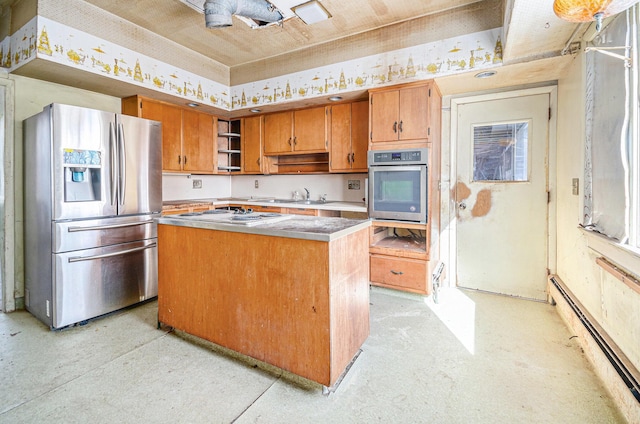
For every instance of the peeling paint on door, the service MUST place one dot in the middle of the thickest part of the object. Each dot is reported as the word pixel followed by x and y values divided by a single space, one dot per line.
pixel 462 191
pixel 483 203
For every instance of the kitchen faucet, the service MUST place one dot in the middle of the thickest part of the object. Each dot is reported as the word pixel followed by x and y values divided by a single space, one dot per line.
pixel 308 194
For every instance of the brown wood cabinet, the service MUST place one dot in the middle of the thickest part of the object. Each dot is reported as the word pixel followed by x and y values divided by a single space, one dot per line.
pixel 401 273
pixel 187 135
pixel 301 305
pixel 404 113
pixel 252 144
pixel 348 128
pixel 401 256
pixel 294 132
pixel 311 212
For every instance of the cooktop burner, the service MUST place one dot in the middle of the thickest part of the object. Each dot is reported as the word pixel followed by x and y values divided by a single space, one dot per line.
pixel 231 217
pixel 216 212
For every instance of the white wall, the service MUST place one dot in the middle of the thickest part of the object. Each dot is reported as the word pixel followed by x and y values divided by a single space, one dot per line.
pixel 335 186
pixel 615 306
pixel 180 187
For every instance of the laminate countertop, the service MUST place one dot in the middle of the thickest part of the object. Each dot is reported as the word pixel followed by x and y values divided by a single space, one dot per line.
pixel 265 201
pixel 276 225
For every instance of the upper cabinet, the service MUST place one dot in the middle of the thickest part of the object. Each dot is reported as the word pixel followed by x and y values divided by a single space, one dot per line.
pixel 187 135
pixel 252 144
pixel 403 113
pixel 348 125
pixel 295 132
pixel 197 142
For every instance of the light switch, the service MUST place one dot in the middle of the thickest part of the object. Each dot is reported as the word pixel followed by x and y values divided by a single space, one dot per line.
pixel 575 186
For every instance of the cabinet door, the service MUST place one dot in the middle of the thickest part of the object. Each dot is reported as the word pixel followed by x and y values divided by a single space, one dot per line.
pixel 359 141
pixel 252 145
pixel 197 142
pixel 310 130
pixel 340 118
pixel 413 122
pixel 385 107
pixel 278 133
pixel 171 119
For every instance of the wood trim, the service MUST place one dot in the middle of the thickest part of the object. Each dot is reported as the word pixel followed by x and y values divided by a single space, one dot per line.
pixel 632 282
pixel 400 86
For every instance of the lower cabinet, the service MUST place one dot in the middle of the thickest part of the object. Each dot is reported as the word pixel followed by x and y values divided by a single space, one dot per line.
pixel 401 256
pixel 402 273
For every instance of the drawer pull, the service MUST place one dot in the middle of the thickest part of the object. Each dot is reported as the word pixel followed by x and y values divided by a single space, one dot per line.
pixel 397 272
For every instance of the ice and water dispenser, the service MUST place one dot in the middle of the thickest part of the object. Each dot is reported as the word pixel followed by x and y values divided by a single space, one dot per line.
pixel 82 175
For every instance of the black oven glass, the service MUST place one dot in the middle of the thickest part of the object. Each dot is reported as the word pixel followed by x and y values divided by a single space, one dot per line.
pixel 397 191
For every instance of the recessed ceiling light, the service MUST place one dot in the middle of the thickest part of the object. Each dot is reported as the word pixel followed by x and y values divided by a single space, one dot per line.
pixel 193 105
pixel 255 110
pixel 485 74
pixel 335 98
pixel 311 12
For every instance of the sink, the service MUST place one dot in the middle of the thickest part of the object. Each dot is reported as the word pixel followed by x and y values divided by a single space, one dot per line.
pixel 300 202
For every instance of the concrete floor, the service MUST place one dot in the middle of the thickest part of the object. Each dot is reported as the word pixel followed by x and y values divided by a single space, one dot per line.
pixel 473 358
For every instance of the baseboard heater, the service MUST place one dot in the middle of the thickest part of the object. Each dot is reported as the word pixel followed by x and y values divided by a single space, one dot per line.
pixel 623 371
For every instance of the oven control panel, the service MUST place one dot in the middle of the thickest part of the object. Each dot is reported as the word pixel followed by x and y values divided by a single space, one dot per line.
pixel 393 157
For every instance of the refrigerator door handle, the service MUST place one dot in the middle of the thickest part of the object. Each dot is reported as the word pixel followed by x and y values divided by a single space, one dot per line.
pixel 110 255
pixel 122 177
pixel 107 227
pixel 114 155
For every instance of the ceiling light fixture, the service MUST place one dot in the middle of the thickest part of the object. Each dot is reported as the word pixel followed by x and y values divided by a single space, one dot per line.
pixel 335 98
pixel 193 105
pixel 590 10
pixel 311 12
pixel 485 74
pixel 255 110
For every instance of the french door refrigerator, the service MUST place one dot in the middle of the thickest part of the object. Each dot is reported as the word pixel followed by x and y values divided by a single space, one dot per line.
pixel 92 188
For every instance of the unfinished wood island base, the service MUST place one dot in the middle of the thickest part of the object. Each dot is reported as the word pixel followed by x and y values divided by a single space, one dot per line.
pixel 299 302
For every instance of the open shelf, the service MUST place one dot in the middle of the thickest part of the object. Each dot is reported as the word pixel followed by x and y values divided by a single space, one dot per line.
pixel 229 146
pixel 405 240
pixel 302 163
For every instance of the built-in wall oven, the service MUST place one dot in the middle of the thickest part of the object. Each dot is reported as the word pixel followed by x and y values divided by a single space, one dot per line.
pixel 398 184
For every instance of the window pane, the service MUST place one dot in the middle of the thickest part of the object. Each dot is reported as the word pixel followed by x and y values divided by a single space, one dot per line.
pixel 501 152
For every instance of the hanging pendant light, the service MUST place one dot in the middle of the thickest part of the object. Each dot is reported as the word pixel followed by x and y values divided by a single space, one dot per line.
pixel 590 10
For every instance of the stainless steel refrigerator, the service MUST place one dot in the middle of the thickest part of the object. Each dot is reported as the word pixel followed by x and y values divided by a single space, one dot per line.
pixel 92 188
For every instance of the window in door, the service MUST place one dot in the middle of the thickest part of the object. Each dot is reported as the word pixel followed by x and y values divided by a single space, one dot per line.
pixel 500 152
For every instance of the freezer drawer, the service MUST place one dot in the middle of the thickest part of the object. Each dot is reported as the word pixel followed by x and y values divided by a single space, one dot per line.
pixel 91 233
pixel 93 282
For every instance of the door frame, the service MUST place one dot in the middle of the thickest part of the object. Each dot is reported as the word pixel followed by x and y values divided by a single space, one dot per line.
pixel 450 163
pixel 7 221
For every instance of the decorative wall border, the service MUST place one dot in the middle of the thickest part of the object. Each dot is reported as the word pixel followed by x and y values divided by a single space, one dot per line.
pixel 479 50
pixel 45 39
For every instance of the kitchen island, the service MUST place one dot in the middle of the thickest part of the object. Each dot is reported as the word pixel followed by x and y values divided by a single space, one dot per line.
pixel 291 291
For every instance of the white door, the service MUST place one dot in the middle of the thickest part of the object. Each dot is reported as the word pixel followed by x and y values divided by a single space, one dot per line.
pixel 501 195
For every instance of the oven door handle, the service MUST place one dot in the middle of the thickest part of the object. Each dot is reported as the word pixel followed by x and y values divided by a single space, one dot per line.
pixel 110 255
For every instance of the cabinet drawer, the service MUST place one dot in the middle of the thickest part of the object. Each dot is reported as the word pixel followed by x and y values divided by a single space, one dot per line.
pixel 302 211
pixel 399 272
pixel 271 209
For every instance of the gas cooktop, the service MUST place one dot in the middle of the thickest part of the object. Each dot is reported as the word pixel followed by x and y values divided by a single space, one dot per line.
pixel 242 217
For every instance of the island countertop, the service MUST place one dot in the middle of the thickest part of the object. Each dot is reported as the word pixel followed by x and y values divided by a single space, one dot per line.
pixel 291 226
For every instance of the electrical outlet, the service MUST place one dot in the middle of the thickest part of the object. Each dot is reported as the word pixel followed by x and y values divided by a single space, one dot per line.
pixel 197 183
pixel 256 184
pixel 354 184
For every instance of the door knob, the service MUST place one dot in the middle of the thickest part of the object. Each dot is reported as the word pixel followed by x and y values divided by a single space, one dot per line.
pixel 462 205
